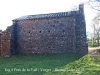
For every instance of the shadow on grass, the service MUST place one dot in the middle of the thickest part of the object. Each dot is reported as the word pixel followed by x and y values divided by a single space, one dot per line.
pixel 83 66
pixel 40 64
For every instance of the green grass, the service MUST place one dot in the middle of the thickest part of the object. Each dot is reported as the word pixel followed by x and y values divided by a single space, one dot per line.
pixel 51 64
pixel 92 48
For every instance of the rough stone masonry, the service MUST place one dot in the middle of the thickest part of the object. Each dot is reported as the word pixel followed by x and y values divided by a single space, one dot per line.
pixel 49 33
pixel 4 43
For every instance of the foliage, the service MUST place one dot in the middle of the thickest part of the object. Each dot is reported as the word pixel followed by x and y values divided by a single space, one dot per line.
pixel 96 47
pixel 95 35
pixel 94 4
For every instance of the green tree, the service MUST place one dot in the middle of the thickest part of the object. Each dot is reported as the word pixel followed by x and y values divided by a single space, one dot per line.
pixel 96 28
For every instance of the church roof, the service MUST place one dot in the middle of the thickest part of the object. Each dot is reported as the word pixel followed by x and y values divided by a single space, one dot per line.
pixel 50 15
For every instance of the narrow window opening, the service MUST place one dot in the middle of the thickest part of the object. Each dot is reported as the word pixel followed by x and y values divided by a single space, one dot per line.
pixel 49 31
pixel 63 30
pixel 39 31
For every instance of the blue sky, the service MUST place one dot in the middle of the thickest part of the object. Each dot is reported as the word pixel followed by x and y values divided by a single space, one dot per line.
pixel 11 9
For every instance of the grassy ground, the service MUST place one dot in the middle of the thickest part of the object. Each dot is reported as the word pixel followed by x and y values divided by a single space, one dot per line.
pixel 52 64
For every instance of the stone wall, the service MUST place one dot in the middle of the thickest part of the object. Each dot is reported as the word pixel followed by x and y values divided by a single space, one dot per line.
pixel 58 34
pixel 4 44
pixel 43 34
pixel 80 31
pixel 0 40
pixel 55 35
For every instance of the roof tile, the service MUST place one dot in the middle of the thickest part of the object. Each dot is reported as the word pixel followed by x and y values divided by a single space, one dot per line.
pixel 50 15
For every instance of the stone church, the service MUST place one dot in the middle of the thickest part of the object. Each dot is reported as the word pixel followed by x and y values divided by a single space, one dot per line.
pixel 49 33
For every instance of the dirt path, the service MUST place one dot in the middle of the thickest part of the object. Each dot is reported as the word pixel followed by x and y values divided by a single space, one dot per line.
pixel 94 52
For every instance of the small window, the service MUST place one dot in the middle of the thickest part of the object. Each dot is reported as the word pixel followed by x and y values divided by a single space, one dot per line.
pixel 49 31
pixel 39 31
pixel 63 30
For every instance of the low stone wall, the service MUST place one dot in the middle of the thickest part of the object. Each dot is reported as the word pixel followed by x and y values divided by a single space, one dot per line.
pixel 5 44
pixel 5 48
